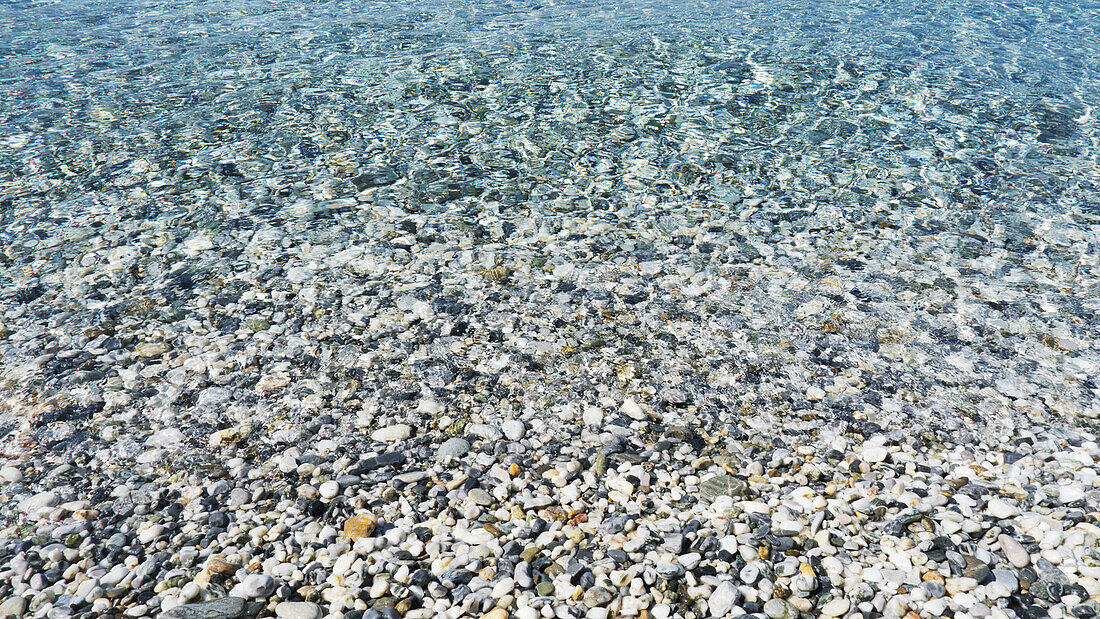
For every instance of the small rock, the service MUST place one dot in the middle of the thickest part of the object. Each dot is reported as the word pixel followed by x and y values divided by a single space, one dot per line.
pixel 780 609
pixel 358 526
pixel 38 502
pixel 875 454
pixel 597 596
pixel 1070 493
pixel 11 474
pixel 723 598
pixel 480 496
pixel 298 610
pixel 256 586
pixel 484 431
pixel 13 607
pixel 1000 509
pixel 722 485
pixel 513 429
pixel 396 432
pixel 836 607
pixel 631 409
pixel 216 565
pixel 222 608
pixel 453 448
pixel 1014 551
pixel 329 489
pixel 670 571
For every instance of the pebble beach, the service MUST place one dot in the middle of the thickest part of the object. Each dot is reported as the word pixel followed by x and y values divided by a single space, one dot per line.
pixel 368 310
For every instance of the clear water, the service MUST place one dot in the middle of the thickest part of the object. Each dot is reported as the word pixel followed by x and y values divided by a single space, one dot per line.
pixel 914 175
pixel 980 106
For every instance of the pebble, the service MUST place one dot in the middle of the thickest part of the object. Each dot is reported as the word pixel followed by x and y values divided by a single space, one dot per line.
pixel 631 409
pixel 780 609
pixel 360 526
pixel 723 599
pixel 453 448
pixel 1014 551
pixel 835 607
pixel 875 454
pixel 394 433
pixel 329 490
pixel 13 606
pixel 513 429
pixel 11 474
pixel 670 571
pixel 1001 509
pixel 298 610
pixel 222 608
pixel 255 586
pixel 597 596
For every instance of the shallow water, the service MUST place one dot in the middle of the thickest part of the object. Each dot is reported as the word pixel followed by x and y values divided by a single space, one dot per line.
pixel 804 171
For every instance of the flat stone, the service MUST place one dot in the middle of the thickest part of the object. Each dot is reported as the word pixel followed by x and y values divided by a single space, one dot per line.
pixel 298 610
pixel 1071 493
pixel 1048 572
pixel 1001 509
pixel 256 586
pixel 1007 578
pixel 875 454
pixel 836 607
pixel 631 409
pixel 238 497
pixel 13 606
pixel 723 485
pixel 396 432
pixel 670 571
pixel 11 474
pixel 481 497
pixel 780 609
pixel 222 608
pixel 597 596
pixel 395 458
pixel 484 431
pixel 453 448
pixel 361 525
pixel 216 565
pixel 38 502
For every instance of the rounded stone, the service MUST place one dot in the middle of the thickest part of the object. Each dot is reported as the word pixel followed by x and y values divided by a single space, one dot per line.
pixel 453 448
pixel 513 429
pixel 780 609
pixel 298 610
pixel 835 607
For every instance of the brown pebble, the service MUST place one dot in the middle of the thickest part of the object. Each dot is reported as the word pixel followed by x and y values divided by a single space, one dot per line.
pixel 217 565
pixel 932 576
pixel 360 526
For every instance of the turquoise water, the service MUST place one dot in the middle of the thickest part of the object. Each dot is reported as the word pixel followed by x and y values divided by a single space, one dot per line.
pixel 964 105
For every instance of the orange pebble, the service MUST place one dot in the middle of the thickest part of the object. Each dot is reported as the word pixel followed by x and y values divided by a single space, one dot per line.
pixel 932 576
